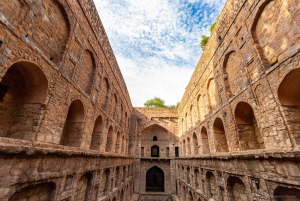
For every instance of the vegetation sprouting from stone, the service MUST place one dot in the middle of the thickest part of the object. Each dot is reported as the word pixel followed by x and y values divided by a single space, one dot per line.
pixel 157 102
pixel 204 38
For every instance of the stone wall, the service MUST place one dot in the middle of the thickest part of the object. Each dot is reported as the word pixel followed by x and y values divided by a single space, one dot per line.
pixel 239 116
pixel 61 96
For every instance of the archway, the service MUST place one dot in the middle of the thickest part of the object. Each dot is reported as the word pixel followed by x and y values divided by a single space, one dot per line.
pixel 118 143
pixel 220 137
pixel 155 151
pixel 195 144
pixel 43 191
pixel 155 180
pixel 210 185
pixel 205 142
pixel 236 189
pixel 97 134
pixel 109 139
pixel 249 134
pixel 23 89
pixel 83 188
pixel 289 97
pixel 286 194
pixel 74 125
pixel 188 141
pixel 190 196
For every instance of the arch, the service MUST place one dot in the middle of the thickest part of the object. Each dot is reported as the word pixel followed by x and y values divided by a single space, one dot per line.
pixel 196 178
pixel 118 143
pixel 205 141
pixel 232 76
pixel 118 177
pixel 236 189
pixel 121 197
pixel 211 185
pixel 199 107
pixel 123 145
pixel 74 125
pixel 195 144
pixel 219 136
pixel 183 148
pixel 269 26
pixel 188 146
pixel 286 194
pixel 97 134
pixel 155 138
pixel 44 191
pixel 190 196
pixel 105 89
pixel 212 94
pixel 83 187
pixel 126 119
pixel 114 199
pixel 188 175
pixel 23 90
pixel 154 151
pixel 87 72
pixel 249 133
pixel 155 181
pixel 289 98
pixel 191 117
pixel 54 17
pixel 104 183
pixel 109 140
pixel 186 128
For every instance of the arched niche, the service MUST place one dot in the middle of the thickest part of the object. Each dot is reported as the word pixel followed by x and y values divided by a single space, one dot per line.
pixel 233 77
pixel 236 189
pixel 118 143
pixel 188 146
pixel 155 138
pixel 212 94
pixel 97 134
pixel 74 125
pixel 286 194
pixel 109 140
pixel 211 185
pixel 155 180
pixel 87 72
pixel 190 196
pixel 154 151
pixel 44 191
pixel 205 141
pixel 249 133
pixel 272 30
pixel 104 182
pixel 289 98
pixel 195 144
pixel 83 188
pixel 123 145
pixel 23 93
pixel 50 28
pixel 219 136
pixel 197 178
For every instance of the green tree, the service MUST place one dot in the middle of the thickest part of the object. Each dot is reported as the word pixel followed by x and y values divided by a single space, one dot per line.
pixel 204 38
pixel 157 102
pixel 204 41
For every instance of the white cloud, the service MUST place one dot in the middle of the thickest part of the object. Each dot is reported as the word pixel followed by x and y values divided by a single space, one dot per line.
pixel 156 42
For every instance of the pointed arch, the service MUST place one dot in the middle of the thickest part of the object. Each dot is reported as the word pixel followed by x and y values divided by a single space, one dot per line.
pixel 155 180
pixel 74 125
pixel 220 136
pixel 109 140
pixel 97 134
pixel 249 134
pixel 23 89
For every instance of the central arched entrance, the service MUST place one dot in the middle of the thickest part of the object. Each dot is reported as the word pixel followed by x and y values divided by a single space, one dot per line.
pixel 155 181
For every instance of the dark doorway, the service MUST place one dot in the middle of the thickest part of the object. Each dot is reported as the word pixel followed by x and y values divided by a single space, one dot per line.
pixel 154 151
pixel 155 180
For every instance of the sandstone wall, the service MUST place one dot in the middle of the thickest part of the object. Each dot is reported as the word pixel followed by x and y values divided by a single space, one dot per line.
pixel 242 106
pixel 64 106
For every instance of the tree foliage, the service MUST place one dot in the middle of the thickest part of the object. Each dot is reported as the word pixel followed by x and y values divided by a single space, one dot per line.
pixel 157 102
pixel 204 38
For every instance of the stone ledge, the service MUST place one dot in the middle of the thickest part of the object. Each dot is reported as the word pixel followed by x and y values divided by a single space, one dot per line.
pixel 32 150
pixel 276 154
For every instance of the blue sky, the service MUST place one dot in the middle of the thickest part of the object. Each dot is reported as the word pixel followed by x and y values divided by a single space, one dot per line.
pixel 156 43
